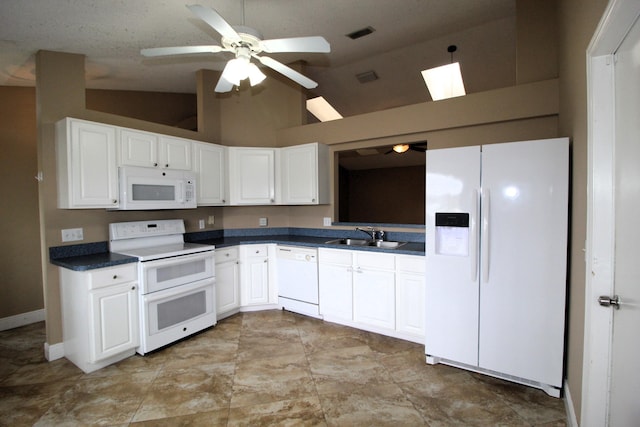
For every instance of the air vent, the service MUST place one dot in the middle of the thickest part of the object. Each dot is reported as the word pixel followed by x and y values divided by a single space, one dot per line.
pixel 361 33
pixel 367 76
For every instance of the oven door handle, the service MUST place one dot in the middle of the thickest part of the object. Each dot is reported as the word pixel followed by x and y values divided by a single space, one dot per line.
pixel 177 290
pixel 181 259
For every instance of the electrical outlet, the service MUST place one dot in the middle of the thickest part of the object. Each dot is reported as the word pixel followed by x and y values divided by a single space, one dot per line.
pixel 72 234
pixel 211 220
pixel 326 221
pixel 201 224
pixel 262 222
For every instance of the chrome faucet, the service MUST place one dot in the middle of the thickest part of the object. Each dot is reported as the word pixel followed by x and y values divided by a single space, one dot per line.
pixel 372 232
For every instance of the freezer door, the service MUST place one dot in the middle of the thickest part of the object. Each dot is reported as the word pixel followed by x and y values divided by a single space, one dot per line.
pixel 452 186
pixel 523 265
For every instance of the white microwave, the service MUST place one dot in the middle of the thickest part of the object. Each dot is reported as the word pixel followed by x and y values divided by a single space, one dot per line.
pixel 151 188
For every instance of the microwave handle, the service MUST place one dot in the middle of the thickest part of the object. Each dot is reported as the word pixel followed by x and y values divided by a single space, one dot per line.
pixel 181 191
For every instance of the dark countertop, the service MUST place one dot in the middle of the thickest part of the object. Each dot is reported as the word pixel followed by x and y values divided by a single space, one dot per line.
pixel 411 248
pixel 93 261
pixel 91 256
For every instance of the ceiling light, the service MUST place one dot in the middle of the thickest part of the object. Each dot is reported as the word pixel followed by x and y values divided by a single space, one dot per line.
pixel 320 108
pixel 241 68
pixel 445 81
pixel 400 148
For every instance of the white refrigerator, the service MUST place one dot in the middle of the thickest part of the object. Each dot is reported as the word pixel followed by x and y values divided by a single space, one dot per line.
pixel 496 254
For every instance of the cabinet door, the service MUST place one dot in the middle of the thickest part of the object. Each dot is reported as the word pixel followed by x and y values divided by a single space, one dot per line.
pixel 91 174
pixel 175 153
pixel 252 176
pixel 227 287
pixel 137 148
pixel 256 281
pixel 336 290
pixel 114 317
pixel 410 302
pixel 210 165
pixel 300 174
pixel 374 297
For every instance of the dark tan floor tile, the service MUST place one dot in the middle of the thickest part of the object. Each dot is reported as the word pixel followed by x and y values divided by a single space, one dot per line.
pixel 346 369
pixel 299 412
pixel 215 418
pixel 99 401
pixel 45 372
pixel 380 405
pixel 187 391
pixel 463 401
pixel 24 405
pixel 267 320
pixel 272 379
pixel 410 365
pixel 533 405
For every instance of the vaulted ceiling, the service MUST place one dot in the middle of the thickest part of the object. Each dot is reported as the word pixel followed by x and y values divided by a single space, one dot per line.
pixel 408 36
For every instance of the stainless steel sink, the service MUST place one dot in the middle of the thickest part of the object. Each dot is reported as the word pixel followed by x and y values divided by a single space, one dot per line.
pixel 349 242
pixel 362 242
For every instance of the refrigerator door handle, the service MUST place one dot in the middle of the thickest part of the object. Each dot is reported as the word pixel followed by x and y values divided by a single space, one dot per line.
pixel 486 203
pixel 473 241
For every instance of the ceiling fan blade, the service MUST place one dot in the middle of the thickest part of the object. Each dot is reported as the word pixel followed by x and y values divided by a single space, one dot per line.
pixel 215 21
pixel 314 44
pixel 287 71
pixel 419 149
pixel 180 50
pixel 225 83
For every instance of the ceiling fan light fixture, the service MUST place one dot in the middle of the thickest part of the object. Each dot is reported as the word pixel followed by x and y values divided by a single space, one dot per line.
pixel 400 148
pixel 255 75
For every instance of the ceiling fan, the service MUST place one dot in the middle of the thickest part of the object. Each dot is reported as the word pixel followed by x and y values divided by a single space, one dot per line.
pixel 246 43
pixel 403 148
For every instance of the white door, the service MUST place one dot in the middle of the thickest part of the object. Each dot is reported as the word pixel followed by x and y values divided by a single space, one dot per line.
pixel 611 382
pixel 625 375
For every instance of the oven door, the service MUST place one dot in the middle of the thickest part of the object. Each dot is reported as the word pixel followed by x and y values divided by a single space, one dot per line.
pixel 175 313
pixel 166 273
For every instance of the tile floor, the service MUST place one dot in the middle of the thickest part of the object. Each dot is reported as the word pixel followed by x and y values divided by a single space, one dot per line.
pixel 258 369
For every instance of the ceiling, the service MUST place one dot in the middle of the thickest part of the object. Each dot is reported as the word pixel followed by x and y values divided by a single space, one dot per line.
pixel 409 36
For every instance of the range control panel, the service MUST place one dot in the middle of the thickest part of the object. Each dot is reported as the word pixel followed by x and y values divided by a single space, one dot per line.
pixel 137 229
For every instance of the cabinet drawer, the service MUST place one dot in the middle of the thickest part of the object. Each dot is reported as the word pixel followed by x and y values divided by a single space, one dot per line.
pixel 410 263
pixel 376 261
pixel 335 256
pixel 112 276
pixel 227 254
pixel 256 250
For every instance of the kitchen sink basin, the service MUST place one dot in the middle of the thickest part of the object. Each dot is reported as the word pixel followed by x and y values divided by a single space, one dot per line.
pixel 362 242
pixel 349 242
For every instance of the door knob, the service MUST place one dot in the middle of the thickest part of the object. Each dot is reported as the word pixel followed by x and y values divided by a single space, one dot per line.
pixel 606 301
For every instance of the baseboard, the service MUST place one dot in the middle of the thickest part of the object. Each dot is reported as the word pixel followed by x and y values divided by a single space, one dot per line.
pixel 572 421
pixel 54 351
pixel 22 319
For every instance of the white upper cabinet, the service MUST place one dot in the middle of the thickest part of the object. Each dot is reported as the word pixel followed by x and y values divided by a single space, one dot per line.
pixel 305 174
pixel 87 170
pixel 209 162
pixel 252 176
pixel 147 149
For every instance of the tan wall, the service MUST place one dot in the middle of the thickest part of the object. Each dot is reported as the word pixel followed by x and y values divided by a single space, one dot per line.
pixel 21 281
pixel 577 22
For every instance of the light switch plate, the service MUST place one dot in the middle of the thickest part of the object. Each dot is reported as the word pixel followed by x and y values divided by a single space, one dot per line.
pixel 326 221
pixel 201 224
pixel 262 222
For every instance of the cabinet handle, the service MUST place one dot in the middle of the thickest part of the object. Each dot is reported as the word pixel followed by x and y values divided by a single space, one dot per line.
pixel 227 255
pixel 115 201
pixel 313 200
pixel 115 276
pixel 155 165
pixel 272 200
pixel 167 165
pixel 266 260
pixel 224 201
pixel 133 288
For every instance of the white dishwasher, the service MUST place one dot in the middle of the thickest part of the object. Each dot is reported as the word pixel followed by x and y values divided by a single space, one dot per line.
pixel 298 279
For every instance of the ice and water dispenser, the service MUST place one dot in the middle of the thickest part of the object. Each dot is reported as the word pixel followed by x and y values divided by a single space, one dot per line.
pixel 452 234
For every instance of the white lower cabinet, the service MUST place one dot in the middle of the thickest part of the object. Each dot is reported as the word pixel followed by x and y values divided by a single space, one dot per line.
pixel 335 282
pixel 257 283
pixel 379 292
pixel 227 281
pixel 410 295
pixel 99 315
